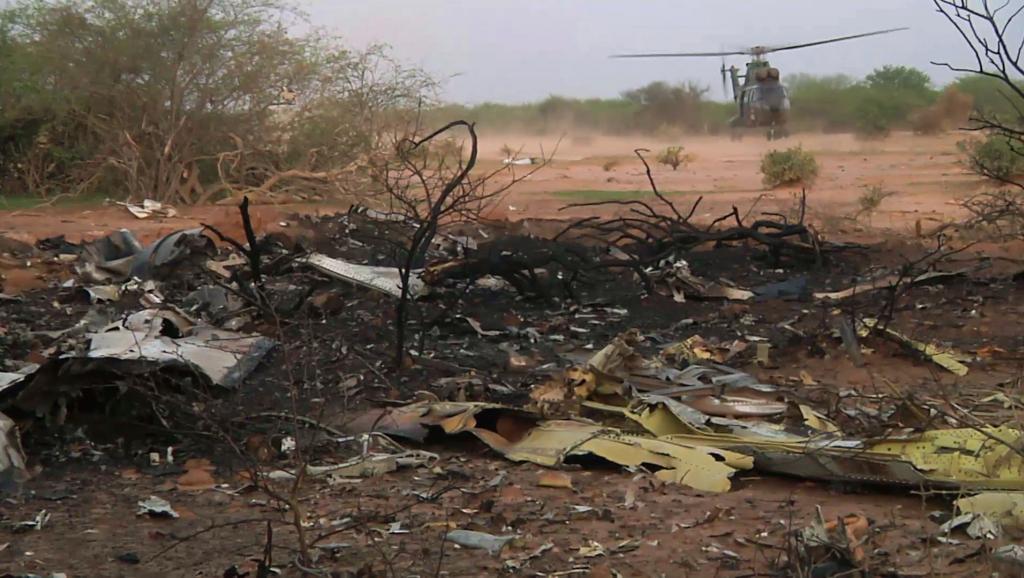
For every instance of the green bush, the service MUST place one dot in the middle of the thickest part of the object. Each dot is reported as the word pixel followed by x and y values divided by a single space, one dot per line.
pixel 990 97
pixel 878 110
pixel 676 106
pixel 822 103
pixel 996 157
pixel 659 106
pixel 788 167
pixel 872 121
pixel 885 100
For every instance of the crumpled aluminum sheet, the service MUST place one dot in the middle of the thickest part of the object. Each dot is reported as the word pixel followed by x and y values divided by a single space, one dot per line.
pixel 384 279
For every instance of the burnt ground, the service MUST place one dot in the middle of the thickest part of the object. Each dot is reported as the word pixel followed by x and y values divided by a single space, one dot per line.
pixel 334 360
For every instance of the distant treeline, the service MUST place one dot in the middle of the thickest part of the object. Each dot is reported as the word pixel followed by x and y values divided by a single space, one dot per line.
pixel 890 98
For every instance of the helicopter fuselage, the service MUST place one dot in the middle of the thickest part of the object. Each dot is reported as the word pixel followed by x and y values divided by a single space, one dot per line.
pixel 763 105
pixel 762 99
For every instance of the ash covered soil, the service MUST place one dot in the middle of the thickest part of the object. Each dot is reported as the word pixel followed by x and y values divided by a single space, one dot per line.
pixel 96 450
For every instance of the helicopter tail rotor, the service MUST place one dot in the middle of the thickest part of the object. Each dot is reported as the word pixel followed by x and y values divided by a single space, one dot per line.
pixel 725 86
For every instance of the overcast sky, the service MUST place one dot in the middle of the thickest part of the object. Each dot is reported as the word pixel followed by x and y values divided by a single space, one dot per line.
pixel 521 50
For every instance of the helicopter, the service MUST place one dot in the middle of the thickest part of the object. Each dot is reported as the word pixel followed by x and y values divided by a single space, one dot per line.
pixel 762 100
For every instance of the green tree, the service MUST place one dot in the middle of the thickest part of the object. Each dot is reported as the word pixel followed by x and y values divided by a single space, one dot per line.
pixel 904 79
pixel 993 39
pixel 889 96
pixel 822 102
pixel 991 97
pixel 660 105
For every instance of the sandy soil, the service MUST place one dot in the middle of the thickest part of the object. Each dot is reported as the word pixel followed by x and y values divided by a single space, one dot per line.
pixel 924 172
pixel 662 534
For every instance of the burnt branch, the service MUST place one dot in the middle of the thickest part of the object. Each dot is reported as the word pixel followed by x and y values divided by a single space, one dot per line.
pixel 254 247
pixel 654 186
pixel 988 31
pixel 252 290
pixel 640 236
pixel 431 184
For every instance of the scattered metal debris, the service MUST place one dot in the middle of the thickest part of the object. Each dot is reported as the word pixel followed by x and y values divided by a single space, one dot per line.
pixel 1003 508
pixel 156 507
pixel 12 457
pixel 697 440
pixel 479 540
pixel 1009 560
pixel 378 455
pixel 35 523
pixel 119 257
pixel 224 357
pixel 387 280
pixel 554 443
pixel 575 395
pixel 833 547
pixel 945 358
pixel 150 208
pixel 888 282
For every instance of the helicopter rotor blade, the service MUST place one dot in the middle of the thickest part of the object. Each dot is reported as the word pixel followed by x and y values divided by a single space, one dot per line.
pixel 757 50
pixel 682 54
pixel 767 49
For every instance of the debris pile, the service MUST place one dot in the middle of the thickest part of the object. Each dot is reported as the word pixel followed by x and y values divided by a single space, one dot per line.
pixel 727 365
pixel 699 425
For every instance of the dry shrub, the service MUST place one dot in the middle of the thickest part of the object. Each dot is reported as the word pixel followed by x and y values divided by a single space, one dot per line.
pixel 789 167
pixel 871 199
pixel 997 215
pixel 674 157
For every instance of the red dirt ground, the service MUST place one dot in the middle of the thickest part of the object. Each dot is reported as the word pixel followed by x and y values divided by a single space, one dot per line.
pixel 924 172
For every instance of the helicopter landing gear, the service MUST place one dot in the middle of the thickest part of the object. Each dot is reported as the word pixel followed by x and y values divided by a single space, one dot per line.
pixel 776 133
